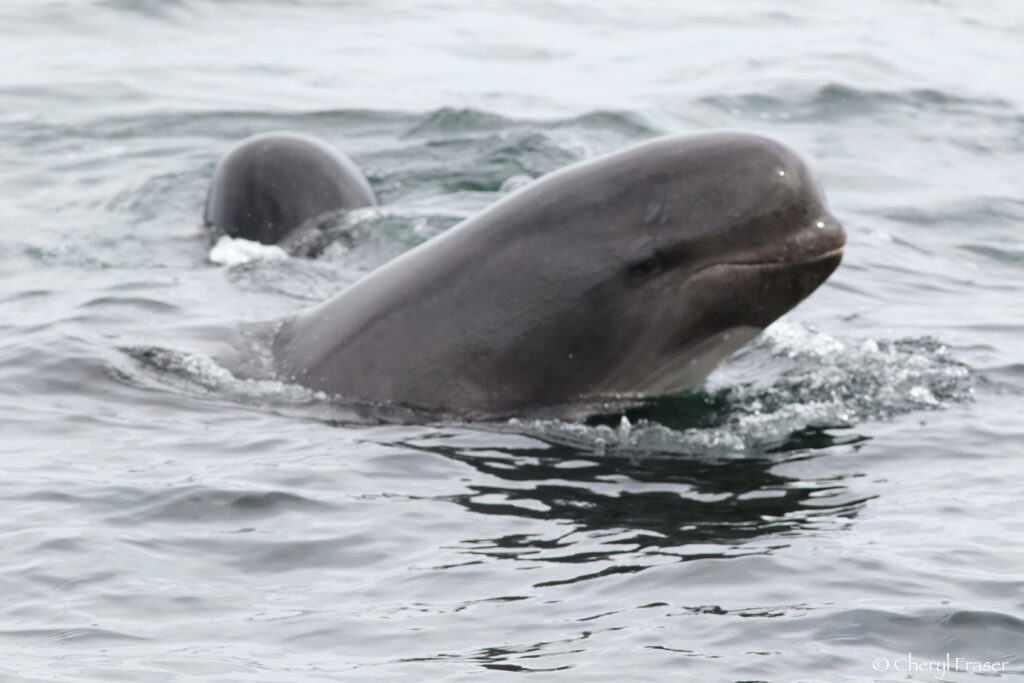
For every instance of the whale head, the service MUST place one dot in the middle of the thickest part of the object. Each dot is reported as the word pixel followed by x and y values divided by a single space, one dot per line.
pixel 629 275
pixel 735 232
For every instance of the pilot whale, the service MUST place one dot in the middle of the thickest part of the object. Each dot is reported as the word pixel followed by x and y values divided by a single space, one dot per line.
pixel 627 276
pixel 269 187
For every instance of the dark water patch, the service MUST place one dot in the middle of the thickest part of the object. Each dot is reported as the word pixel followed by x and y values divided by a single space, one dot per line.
pixel 817 438
pixel 501 658
pixel 627 514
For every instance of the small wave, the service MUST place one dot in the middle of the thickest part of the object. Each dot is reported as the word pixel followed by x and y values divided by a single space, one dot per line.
pixel 67 253
pixel 199 504
pixel 150 200
pixel 997 211
pixel 621 122
pixel 132 302
pixel 466 162
pixel 449 120
pixel 973 634
pixel 302 279
pixel 837 101
pixel 1008 255
pixel 472 150
pixel 94 637
pixel 197 373
pixel 252 384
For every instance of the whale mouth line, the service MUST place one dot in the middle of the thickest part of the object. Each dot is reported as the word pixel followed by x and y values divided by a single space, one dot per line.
pixel 822 256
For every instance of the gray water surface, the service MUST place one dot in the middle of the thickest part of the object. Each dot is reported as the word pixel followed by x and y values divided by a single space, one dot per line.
pixel 840 502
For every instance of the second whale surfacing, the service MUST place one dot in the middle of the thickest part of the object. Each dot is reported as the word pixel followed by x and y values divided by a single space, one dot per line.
pixel 625 277
pixel 272 187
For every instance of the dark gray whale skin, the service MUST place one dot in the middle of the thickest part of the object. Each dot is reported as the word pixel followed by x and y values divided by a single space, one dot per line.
pixel 629 275
pixel 269 185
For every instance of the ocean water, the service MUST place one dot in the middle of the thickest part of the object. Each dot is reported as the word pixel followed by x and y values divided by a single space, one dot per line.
pixel 841 501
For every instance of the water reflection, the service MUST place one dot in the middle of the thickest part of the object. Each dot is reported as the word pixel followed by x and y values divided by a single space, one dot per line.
pixel 610 508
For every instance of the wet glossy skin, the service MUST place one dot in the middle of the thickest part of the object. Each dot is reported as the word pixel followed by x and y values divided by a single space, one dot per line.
pixel 269 185
pixel 632 274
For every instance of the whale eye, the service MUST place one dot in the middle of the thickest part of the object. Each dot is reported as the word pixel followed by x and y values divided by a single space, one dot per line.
pixel 644 268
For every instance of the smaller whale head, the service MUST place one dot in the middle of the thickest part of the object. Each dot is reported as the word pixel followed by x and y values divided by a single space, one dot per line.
pixel 270 185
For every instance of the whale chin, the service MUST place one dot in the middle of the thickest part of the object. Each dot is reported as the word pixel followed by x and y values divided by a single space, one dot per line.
pixel 688 369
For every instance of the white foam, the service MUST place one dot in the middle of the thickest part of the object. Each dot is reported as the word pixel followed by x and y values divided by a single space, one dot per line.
pixel 632 439
pixel 826 383
pixel 232 251
pixel 198 372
